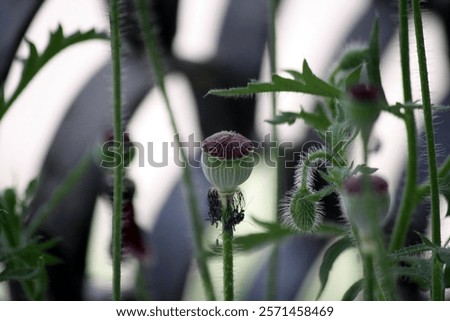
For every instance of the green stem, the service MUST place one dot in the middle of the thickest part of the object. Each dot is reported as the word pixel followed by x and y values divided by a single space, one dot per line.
pixel 227 248
pixel 437 290
pixel 271 293
pixel 407 204
pixel 369 278
pixel 118 168
pixel 197 225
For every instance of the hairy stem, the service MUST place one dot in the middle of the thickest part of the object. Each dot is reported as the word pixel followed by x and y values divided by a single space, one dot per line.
pixel 271 293
pixel 118 168
pixel 197 226
pixel 227 248
pixel 407 205
pixel 437 291
pixel 369 278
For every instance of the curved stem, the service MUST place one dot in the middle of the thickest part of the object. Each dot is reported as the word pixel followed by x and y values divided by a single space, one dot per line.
pixel 437 291
pixel 197 226
pixel 407 204
pixel 118 166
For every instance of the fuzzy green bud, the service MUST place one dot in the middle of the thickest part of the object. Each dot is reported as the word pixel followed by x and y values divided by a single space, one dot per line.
pixel 304 210
pixel 227 160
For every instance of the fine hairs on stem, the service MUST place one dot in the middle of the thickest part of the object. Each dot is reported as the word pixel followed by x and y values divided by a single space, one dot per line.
pixel 197 226
pixel 437 287
pixel 273 260
pixel 117 126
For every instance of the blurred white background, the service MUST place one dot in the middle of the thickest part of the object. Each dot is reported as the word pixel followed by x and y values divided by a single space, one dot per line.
pixel 27 129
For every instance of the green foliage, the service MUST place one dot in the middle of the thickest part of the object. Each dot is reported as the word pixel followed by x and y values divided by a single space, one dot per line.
pixel 275 232
pixel 353 291
pixel 22 258
pixel 36 61
pixel 306 82
pixel 317 119
pixel 330 256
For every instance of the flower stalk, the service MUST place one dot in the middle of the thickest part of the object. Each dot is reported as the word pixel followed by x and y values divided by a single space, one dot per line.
pixel 437 291
pixel 227 162
pixel 117 127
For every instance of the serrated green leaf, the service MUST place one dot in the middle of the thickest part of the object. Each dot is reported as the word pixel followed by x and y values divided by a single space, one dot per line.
pixel 330 256
pixel 416 269
pixel 35 61
pixel 411 250
pixel 425 240
pixel 305 82
pixel 353 291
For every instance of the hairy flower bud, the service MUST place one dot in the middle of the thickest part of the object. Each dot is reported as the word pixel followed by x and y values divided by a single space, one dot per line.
pixel 304 212
pixel 227 160
pixel 362 105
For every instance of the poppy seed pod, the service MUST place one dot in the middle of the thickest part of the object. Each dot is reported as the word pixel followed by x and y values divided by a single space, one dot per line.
pixel 227 160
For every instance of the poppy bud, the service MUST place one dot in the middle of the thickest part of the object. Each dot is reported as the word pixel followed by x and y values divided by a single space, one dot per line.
pixel 365 201
pixel 303 211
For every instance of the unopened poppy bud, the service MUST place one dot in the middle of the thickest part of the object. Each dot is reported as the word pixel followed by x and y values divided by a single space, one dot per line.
pixel 365 201
pixel 362 105
pixel 227 160
pixel 304 211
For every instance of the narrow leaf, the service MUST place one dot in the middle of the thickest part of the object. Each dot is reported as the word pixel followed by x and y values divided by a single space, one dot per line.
pixel 330 256
pixel 284 118
pixel 373 63
pixel 353 291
